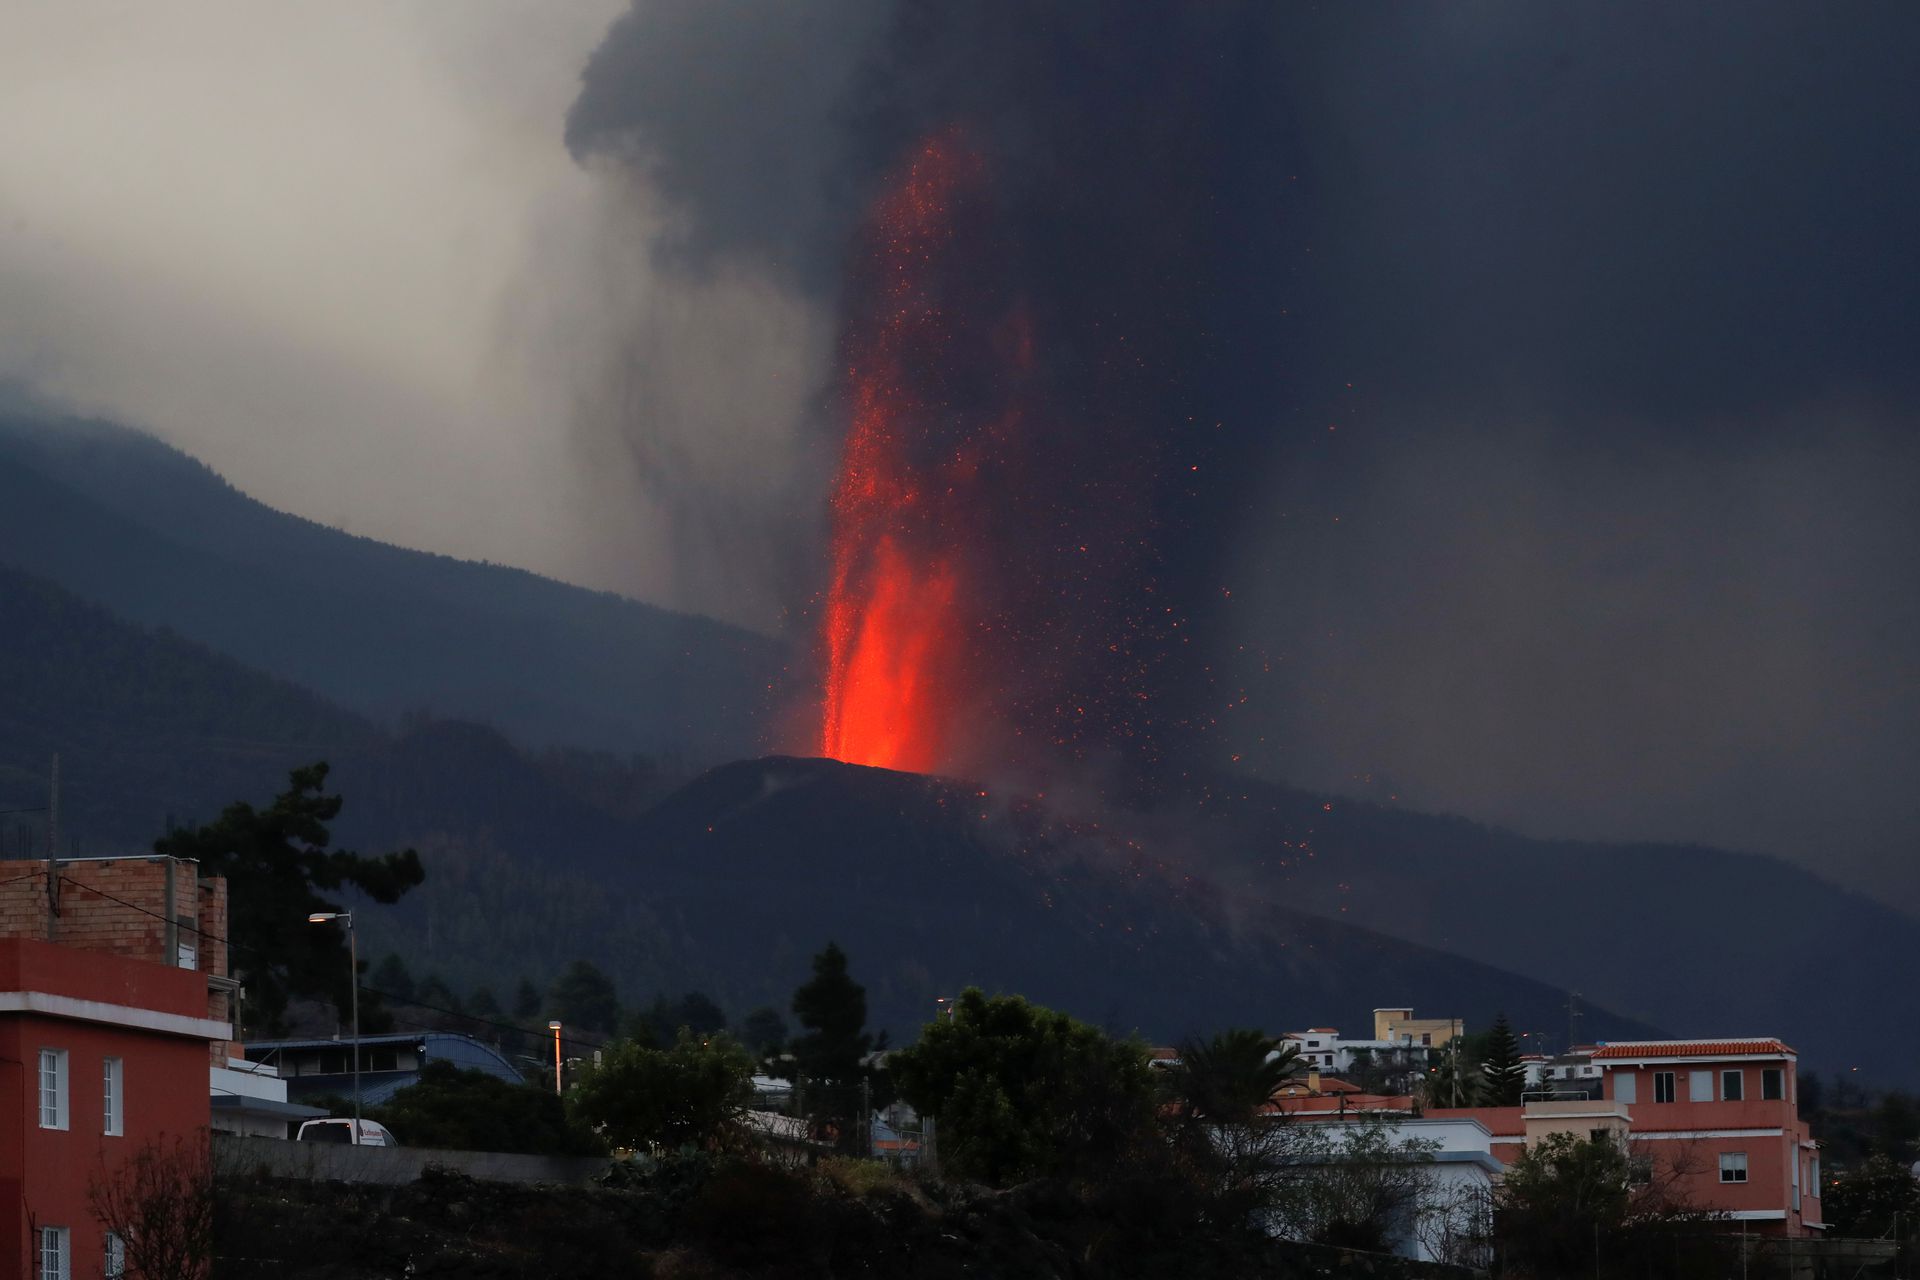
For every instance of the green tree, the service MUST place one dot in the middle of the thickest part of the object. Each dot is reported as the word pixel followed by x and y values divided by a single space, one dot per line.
pixel 473 1111
pixel 764 1031
pixel 1500 1066
pixel 584 999
pixel 277 863
pixel 1022 1091
pixel 1453 1078
pixel 1229 1077
pixel 696 1011
pixel 390 977
pixel 1570 1206
pixel 833 1009
pixel 829 1061
pixel 1868 1198
pixel 526 1001
pixel 690 1094
pixel 1356 1185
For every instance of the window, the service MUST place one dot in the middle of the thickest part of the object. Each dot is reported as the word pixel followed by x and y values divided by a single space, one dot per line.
pixel 112 1119
pixel 1426 1039
pixel 115 1253
pixel 1663 1086
pixel 1733 1166
pixel 55 1260
pixel 1626 1087
pixel 1773 1083
pixel 53 1089
pixel 1733 1086
pixel 1813 1176
pixel 1699 1086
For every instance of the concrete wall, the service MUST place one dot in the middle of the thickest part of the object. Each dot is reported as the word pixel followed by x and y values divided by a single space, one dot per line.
pixel 333 1162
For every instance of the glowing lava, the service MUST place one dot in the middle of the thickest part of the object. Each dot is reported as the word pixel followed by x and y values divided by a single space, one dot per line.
pixel 898 612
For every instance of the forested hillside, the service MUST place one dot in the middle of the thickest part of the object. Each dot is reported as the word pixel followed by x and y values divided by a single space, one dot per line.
pixel 129 523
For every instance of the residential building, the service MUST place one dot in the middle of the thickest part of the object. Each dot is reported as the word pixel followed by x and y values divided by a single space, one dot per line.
pixel 250 1101
pixel 1392 1062
pixel 100 1055
pixel 315 1068
pixel 1717 1119
pixel 1399 1026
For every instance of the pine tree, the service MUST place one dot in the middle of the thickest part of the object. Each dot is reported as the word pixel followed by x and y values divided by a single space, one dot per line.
pixel 1505 1074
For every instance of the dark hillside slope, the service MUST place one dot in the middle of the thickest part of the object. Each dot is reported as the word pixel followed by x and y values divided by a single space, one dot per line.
pixel 130 523
pixel 151 726
pixel 930 889
pixel 1704 941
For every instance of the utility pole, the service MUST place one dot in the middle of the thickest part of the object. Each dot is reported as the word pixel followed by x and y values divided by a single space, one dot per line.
pixel 53 852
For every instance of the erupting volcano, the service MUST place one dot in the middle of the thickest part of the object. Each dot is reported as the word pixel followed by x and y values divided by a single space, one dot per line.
pixel 900 607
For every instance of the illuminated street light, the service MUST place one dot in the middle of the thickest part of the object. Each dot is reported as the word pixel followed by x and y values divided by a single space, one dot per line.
pixel 554 1027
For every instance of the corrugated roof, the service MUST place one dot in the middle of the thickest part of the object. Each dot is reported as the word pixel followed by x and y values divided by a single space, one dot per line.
pixel 1689 1048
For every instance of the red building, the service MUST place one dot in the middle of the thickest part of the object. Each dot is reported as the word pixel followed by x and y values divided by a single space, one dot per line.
pixel 106 1032
pixel 1717 1118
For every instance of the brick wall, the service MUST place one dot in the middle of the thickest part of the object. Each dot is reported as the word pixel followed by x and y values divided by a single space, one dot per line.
pixel 120 906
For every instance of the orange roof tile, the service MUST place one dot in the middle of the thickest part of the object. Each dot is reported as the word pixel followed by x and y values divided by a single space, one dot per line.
pixel 1689 1048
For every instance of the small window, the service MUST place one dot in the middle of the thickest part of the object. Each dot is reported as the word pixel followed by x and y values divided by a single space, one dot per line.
pixel 56 1260
pixel 1733 1166
pixel 1426 1038
pixel 112 1117
pixel 1626 1087
pixel 1813 1176
pixel 1699 1086
pixel 53 1089
pixel 114 1251
pixel 1773 1084
pixel 1733 1086
pixel 1663 1086
pixel 382 1060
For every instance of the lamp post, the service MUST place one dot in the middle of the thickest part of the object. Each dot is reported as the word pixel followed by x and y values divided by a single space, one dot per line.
pixel 353 962
pixel 555 1028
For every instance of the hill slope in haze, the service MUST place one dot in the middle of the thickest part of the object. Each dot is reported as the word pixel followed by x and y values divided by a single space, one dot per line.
pixel 127 522
pixel 730 882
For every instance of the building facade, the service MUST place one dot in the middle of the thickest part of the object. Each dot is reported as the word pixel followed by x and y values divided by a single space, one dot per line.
pixel 115 1005
pixel 99 1056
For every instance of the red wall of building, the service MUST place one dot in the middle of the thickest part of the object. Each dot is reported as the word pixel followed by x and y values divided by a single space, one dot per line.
pixel 45 1173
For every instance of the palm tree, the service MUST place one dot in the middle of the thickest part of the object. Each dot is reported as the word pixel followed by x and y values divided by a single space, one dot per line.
pixel 1228 1078
pixel 1452 1079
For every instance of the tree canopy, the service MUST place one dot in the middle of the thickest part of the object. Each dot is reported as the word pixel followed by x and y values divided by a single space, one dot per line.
pixel 473 1111
pixel 689 1094
pixel 277 863
pixel 833 1009
pixel 1021 1091
pixel 1501 1068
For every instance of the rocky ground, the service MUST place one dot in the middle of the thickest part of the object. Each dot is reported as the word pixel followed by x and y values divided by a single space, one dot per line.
pixel 734 1222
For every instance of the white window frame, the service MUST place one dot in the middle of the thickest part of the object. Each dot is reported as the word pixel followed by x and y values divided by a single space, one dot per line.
pixel 1672 1083
pixel 53 1089
pixel 1733 1166
pixel 1738 1079
pixel 1813 1175
pixel 1777 1075
pixel 1700 1086
pixel 113 1103
pixel 1626 1087
pixel 54 1258
pixel 113 1251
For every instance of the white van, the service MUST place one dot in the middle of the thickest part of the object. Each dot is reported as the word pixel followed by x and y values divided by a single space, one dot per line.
pixel 340 1129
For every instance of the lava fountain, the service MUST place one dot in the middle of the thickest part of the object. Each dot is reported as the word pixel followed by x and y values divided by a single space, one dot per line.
pixel 898 613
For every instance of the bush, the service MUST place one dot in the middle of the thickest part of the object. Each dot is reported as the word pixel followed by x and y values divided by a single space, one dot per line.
pixel 863 1178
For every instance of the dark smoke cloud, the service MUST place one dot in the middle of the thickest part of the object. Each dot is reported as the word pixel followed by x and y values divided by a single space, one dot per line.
pixel 1547 372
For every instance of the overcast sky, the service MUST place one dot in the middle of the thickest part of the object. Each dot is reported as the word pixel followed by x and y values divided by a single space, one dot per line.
pixel 1613 308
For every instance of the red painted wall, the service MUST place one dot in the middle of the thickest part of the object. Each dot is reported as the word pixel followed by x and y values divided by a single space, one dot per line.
pixel 44 1173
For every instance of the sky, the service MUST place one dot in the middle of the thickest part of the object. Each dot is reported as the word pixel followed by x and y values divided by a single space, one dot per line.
pixel 1562 358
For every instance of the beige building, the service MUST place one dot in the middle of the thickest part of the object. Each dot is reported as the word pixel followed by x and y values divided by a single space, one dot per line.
pixel 1401 1027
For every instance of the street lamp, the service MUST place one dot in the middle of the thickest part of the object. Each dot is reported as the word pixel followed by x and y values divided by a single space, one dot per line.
pixel 555 1028
pixel 353 961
